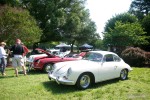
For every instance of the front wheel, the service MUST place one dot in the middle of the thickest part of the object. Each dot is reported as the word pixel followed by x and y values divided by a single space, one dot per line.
pixel 123 74
pixel 84 81
pixel 48 67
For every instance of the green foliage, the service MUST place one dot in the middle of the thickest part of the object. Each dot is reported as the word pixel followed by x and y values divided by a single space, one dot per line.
pixel 17 23
pixel 97 44
pixel 135 56
pixel 128 34
pixel 124 30
pixel 62 20
pixel 124 18
pixel 140 8
pixel 78 26
pixel 146 24
pixel 49 14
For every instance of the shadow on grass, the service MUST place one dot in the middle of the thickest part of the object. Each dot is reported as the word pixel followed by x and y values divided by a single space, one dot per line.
pixel 4 77
pixel 31 72
pixel 58 89
pixel 35 72
pixel 108 82
pixel 104 83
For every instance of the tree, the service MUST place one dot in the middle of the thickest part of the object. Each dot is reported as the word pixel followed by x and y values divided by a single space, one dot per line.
pixel 17 23
pixel 79 27
pixel 124 18
pixel 146 26
pixel 125 34
pixel 61 20
pixel 111 24
pixel 140 8
pixel 50 15
pixel 98 44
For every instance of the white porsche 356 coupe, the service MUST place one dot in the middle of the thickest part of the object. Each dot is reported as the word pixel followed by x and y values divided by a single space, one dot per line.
pixel 96 66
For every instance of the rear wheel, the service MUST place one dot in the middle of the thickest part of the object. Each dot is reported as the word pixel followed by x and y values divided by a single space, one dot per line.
pixel 123 74
pixel 48 67
pixel 84 81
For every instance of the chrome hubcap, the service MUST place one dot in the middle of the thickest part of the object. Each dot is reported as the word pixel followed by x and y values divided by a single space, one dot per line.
pixel 48 68
pixel 85 81
pixel 123 74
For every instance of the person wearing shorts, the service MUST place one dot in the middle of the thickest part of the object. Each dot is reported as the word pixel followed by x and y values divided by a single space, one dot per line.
pixel 17 59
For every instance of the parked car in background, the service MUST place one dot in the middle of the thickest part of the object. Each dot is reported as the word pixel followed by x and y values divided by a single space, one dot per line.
pixel 45 63
pixel 43 53
pixel 95 66
pixel 36 53
pixel 57 52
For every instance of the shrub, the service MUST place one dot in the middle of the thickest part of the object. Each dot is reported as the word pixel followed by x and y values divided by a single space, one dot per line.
pixel 135 56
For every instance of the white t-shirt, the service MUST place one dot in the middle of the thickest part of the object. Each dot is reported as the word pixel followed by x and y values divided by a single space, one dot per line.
pixel 2 52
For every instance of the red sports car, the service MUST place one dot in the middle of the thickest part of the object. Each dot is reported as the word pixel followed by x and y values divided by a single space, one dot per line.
pixel 45 63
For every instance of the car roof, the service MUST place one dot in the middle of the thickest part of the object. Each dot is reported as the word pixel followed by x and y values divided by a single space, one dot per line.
pixel 104 52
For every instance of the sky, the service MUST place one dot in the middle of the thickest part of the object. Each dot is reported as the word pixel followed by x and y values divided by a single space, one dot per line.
pixel 102 10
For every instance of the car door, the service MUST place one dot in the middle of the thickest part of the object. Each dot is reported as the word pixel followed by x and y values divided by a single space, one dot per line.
pixel 109 68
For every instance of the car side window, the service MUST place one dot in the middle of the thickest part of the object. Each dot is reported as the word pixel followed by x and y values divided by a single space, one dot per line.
pixel 116 58
pixel 97 57
pixel 93 57
pixel 108 58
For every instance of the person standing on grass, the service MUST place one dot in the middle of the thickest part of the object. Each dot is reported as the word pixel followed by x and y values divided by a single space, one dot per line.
pixel 3 57
pixel 17 59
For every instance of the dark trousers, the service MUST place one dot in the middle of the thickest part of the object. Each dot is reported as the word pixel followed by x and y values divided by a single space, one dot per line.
pixel 3 64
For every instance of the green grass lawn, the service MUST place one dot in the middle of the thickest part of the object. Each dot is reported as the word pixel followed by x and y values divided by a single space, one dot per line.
pixel 37 86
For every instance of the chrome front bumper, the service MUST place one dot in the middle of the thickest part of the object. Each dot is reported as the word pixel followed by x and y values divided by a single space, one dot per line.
pixel 60 80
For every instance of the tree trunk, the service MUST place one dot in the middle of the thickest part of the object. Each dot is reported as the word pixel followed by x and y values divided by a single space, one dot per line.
pixel 72 43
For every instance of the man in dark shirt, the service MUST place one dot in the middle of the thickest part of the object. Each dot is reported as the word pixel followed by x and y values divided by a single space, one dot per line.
pixel 17 59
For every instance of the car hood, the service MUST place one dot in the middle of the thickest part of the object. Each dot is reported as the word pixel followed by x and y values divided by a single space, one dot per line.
pixel 38 56
pixel 75 65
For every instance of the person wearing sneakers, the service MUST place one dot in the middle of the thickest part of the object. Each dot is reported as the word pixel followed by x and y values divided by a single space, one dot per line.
pixel 17 59
pixel 3 57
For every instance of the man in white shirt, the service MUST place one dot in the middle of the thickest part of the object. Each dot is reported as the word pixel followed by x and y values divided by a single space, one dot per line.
pixel 3 56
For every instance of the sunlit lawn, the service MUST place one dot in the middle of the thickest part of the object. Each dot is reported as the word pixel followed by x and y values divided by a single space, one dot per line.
pixel 37 86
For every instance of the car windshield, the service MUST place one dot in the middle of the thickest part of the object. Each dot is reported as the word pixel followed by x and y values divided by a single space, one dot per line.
pixel 93 56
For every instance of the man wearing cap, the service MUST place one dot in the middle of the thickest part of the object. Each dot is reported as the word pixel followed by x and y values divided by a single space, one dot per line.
pixel 3 56
pixel 17 59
